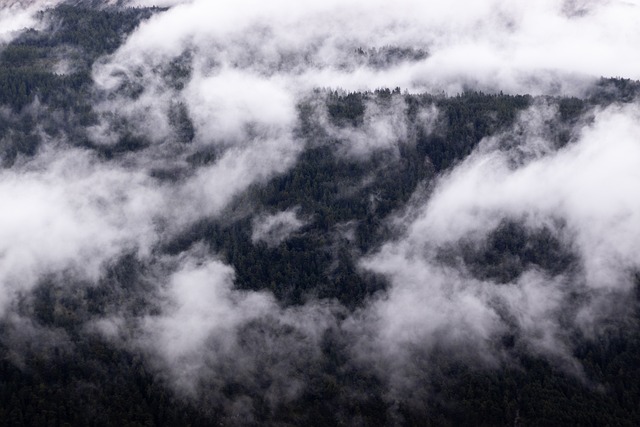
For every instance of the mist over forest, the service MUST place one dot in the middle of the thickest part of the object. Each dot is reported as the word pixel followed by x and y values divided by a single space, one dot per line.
pixel 319 213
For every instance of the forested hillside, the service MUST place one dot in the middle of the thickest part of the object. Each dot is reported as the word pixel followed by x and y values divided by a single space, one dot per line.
pixel 187 240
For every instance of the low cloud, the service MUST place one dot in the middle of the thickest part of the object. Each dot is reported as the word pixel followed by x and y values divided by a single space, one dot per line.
pixel 204 335
pixel 274 229
pixel 18 15
pixel 383 128
pixel 66 210
pixel 202 311
pixel 517 46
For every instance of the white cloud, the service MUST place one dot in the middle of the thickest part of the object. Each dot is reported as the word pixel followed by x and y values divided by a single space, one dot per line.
pixel 68 211
pixel 208 333
pixel 516 45
pixel 226 104
pixel 201 306
pixel 274 229
pixel 384 127
pixel 17 15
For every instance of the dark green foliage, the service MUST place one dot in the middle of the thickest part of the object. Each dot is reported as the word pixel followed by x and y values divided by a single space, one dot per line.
pixel 96 385
pixel 95 31
pixel 346 109
pixel 612 90
pixel 19 87
pixel 535 395
pixel 23 56
pixel 27 63
pixel 390 55
pixel 202 157
pixel 77 35
pixel 181 122
pixel 466 119
pixel 127 143
pixel 509 251
pixel 571 108
pixel 178 72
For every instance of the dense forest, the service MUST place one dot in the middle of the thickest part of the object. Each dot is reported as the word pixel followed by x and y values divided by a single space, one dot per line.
pixel 298 236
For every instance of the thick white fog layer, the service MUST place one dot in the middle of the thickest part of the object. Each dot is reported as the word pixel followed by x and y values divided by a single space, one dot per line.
pixel 238 72
pixel 533 47
pixel 538 47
